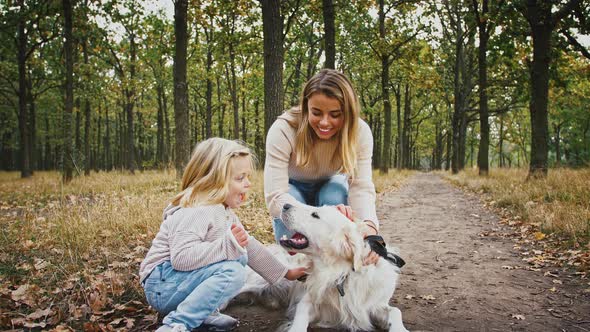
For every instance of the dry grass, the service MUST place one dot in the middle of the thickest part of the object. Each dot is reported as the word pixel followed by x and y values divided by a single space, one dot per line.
pixel 69 255
pixel 558 204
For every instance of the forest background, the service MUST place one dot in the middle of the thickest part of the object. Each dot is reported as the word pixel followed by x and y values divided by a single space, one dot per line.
pixel 102 90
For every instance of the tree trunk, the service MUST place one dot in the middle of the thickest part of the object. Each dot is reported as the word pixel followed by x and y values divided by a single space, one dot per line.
pixel 209 90
pixel 130 104
pixel 542 20
pixel 329 33
pixel 78 138
pixel 168 145
pixel 450 138
pixel 272 25
pixel 378 143
pixel 407 128
pixel 32 127
pixel 258 140
pixel 160 127
pixel 86 118
pixel 244 127
pixel 501 141
pixel 98 157
pixel 484 126
pixel 47 164
pixel 463 141
pixel 69 102
pixel 180 88
pixel 400 140
pixel 557 145
pixel 233 89
pixel 107 141
pixel 385 93
pixel 23 122
pixel 539 98
pixel 221 114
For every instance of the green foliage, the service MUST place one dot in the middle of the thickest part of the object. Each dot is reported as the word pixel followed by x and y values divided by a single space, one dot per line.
pixel 232 32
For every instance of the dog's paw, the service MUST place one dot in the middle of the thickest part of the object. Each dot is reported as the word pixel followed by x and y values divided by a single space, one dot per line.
pixel 285 327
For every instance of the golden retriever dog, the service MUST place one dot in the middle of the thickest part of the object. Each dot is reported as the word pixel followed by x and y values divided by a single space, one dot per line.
pixel 339 292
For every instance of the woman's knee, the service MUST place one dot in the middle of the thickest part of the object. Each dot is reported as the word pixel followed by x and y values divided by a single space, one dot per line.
pixel 296 193
pixel 333 193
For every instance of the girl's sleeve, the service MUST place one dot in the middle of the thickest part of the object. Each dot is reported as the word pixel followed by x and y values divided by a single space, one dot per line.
pixel 279 145
pixel 188 248
pixel 261 260
pixel 361 196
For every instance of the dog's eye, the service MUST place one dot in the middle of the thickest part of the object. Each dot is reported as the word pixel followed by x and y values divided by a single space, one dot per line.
pixel 315 215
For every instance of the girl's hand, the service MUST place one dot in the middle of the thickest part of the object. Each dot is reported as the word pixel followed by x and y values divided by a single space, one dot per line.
pixel 240 234
pixel 345 210
pixel 296 273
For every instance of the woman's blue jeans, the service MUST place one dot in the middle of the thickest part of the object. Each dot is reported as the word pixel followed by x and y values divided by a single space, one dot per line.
pixel 333 191
pixel 188 297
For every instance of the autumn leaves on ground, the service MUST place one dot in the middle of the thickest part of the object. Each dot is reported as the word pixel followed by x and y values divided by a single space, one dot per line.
pixel 69 255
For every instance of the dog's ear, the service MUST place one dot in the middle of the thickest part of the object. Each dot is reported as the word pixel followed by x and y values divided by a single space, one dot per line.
pixel 352 249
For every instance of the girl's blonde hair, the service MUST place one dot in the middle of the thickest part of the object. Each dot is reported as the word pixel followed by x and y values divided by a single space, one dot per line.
pixel 336 85
pixel 207 175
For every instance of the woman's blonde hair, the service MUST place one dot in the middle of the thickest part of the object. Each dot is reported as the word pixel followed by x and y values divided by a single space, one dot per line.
pixel 207 175
pixel 333 84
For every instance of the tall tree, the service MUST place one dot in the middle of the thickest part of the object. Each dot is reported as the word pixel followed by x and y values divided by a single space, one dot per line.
pixel 542 19
pixel 22 92
pixel 69 104
pixel 482 19
pixel 329 33
pixel 272 26
pixel 182 147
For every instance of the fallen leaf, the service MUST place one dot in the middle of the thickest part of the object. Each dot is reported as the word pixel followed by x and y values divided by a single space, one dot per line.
pixel 553 289
pixel 539 236
pixel 39 314
pixel 428 297
pixel 61 328
pixel 41 264
pixel 130 323
pixel 24 294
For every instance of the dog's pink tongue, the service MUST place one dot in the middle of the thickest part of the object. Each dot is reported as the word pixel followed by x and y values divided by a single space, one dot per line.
pixel 298 236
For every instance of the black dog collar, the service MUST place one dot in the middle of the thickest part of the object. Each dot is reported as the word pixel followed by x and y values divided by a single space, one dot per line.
pixel 378 245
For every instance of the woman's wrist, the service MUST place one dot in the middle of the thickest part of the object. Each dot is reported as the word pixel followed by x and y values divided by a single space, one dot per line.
pixel 372 227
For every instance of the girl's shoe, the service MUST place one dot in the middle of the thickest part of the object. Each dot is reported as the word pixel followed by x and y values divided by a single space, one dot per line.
pixel 172 328
pixel 218 322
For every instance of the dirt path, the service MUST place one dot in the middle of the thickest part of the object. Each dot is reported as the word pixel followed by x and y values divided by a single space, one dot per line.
pixel 455 279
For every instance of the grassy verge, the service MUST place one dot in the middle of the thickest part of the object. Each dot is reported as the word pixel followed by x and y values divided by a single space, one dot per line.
pixel 69 255
pixel 556 209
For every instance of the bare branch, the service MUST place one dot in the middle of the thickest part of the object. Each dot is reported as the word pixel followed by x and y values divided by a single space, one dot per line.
pixel 576 45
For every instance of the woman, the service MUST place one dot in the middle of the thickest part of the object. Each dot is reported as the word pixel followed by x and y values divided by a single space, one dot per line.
pixel 320 154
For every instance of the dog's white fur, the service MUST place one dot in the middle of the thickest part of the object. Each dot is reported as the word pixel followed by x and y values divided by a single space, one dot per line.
pixel 335 255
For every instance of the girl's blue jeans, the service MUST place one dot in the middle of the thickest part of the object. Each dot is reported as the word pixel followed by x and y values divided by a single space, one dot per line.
pixel 188 297
pixel 333 191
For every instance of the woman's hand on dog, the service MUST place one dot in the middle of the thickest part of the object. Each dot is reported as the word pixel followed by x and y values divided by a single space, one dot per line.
pixel 240 234
pixel 296 273
pixel 372 257
pixel 345 210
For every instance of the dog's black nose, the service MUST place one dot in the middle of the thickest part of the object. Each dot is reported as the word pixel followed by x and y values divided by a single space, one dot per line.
pixel 287 207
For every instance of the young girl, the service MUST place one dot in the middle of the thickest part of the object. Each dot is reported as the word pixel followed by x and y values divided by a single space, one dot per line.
pixel 197 259
pixel 320 154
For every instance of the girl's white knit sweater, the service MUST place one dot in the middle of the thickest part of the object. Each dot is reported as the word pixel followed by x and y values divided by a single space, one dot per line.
pixel 191 238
